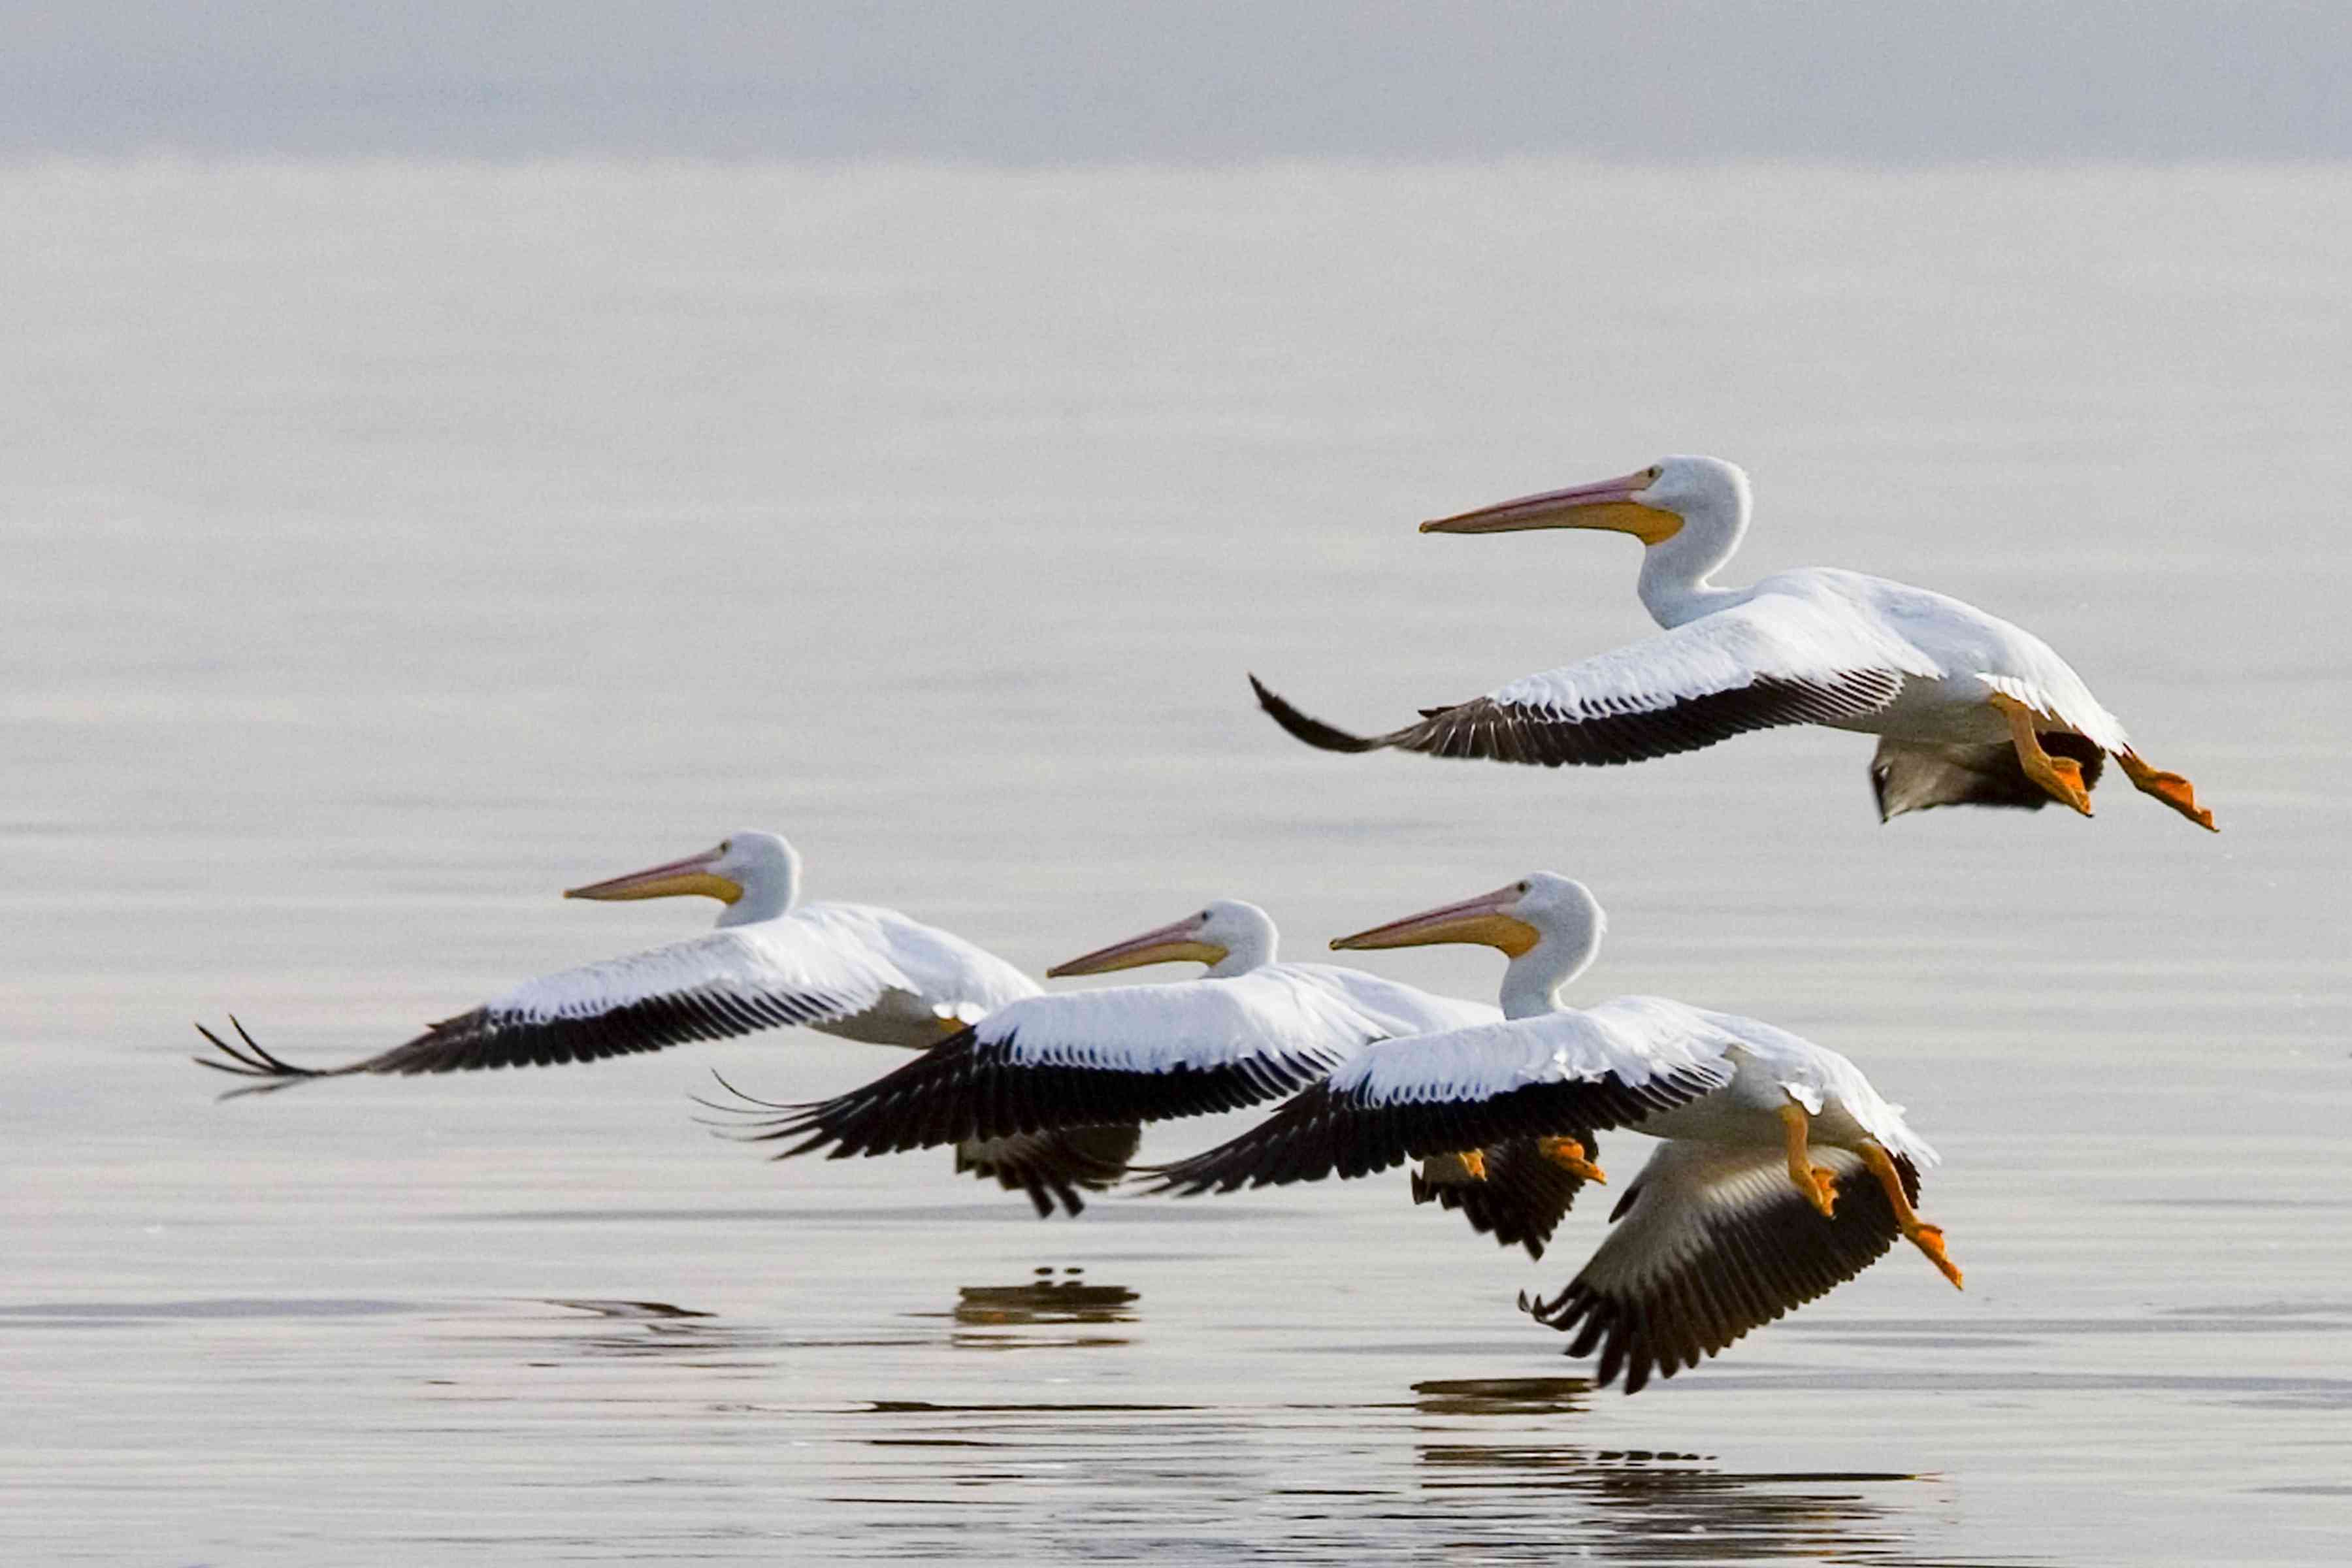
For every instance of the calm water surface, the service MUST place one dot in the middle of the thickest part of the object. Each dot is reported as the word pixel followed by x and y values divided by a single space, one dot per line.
pixel 393 545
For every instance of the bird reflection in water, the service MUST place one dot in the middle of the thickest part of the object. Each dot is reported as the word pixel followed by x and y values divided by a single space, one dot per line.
pixel 1502 1395
pixel 643 1329
pixel 1652 1506
pixel 1044 1302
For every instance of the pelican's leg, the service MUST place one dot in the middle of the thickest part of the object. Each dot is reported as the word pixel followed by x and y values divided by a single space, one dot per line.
pixel 2060 777
pixel 1817 1182
pixel 1569 1155
pixel 1927 1238
pixel 2170 788
pixel 1455 1168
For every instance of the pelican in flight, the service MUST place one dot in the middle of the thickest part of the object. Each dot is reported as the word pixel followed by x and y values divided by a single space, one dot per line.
pixel 1782 1173
pixel 1968 709
pixel 1249 1030
pixel 851 969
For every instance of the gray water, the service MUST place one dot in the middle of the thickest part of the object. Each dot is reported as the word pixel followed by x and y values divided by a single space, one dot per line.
pixel 393 544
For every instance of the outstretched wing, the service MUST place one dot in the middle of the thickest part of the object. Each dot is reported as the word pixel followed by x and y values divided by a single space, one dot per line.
pixel 1558 1075
pixel 1136 1053
pixel 1712 1241
pixel 717 986
pixel 1518 1193
pixel 1051 1167
pixel 1777 658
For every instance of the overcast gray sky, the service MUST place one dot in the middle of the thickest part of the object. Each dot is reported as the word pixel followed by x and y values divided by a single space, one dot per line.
pixel 1056 80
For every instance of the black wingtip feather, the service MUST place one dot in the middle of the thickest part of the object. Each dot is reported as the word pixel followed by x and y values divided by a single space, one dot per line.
pixel 249 1058
pixel 1054 1169
pixel 1618 732
pixel 1314 731
pixel 965 1088
pixel 1756 1272
pixel 1322 1132
pixel 1523 1199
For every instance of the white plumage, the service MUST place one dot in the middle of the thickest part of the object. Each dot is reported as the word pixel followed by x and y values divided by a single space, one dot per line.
pixel 851 969
pixel 855 971
pixel 1631 1040
pixel 1278 1012
pixel 1639 1042
pixel 1250 1030
pixel 1969 709
pixel 1783 1172
pixel 1789 630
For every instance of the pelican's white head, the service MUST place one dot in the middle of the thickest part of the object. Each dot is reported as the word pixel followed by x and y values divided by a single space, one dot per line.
pixel 1688 511
pixel 1698 488
pixel 756 875
pixel 1229 936
pixel 1549 926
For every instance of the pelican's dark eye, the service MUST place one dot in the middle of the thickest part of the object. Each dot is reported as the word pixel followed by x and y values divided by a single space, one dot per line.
pixel 1655 474
pixel 1202 915
pixel 725 845
pixel 1525 887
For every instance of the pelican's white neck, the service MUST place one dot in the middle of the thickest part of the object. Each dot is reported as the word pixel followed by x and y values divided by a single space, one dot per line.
pixel 1532 983
pixel 1674 571
pixel 768 869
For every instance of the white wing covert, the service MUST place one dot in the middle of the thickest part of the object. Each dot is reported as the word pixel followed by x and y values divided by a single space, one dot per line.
pixel 1399 1010
pixel 1777 658
pixel 1567 1074
pixel 715 986
pixel 962 982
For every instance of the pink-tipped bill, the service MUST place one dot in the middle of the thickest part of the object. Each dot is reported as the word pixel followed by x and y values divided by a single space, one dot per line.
pixel 1179 940
pixel 692 876
pixel 1609 504
pixel 1486 921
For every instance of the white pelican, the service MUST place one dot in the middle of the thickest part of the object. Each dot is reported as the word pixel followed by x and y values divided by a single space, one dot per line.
pixel 1249 1030
pixel 1782 1174
pixel 851 969
pixel 1968 709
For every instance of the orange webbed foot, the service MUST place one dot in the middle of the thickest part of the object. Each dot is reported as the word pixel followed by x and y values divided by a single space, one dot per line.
pixel 2060 778
pixel 1569 1155
pixel 2065 785
pixel 1929 1239
pixel 2170 788
pixel 1823 1196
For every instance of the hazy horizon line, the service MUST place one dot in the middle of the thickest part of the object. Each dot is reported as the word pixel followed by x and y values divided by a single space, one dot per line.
pixel 169 154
